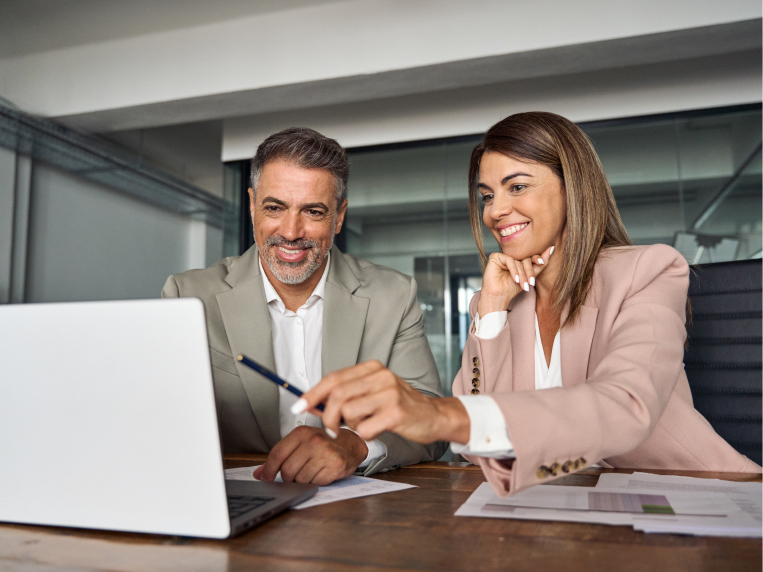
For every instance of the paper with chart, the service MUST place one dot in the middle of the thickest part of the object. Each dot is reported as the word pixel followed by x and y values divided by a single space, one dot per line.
pixel 538 503
pixel 644 509
pixel 744 522
pixel 349 488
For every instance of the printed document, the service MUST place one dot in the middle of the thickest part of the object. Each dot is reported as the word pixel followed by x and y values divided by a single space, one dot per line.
pixel 747 497
pixel 348 488
pixel 728 509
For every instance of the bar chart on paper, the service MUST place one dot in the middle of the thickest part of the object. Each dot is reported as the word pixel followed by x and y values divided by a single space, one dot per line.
pixel 626 502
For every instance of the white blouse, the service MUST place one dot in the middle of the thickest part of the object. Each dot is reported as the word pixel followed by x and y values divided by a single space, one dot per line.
pixel 489 436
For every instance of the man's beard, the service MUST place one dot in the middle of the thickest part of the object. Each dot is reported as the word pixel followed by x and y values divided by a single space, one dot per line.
pixel 293 272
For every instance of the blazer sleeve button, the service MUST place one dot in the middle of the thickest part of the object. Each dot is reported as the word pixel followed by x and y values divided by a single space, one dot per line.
pixel 554 469
pixel 542 472
pixel 475 391
pixel 568 466
pixel 476 361
pixel 476 382
pixel 476 372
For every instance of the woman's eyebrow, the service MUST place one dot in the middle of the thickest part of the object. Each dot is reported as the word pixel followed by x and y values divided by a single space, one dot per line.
pixel 507 178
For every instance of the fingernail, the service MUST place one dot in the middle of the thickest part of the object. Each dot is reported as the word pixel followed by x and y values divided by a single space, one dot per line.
pixel 550 252
pixel 526 287
pixel 532 281
pixel 516 278
pixel 331 433
pixel 540 261
pixel 299 406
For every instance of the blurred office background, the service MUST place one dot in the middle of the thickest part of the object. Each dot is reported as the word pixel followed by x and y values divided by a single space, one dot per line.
pixel 125 129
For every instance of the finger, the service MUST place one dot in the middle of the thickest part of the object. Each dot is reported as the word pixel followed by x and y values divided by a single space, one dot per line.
pixel 324 477
pixel 320 392
pixel 543 258
pixel 309 471
pixel 540 261
pixel 527 266
pixel 339 403
pixel 344 394
pixel 257 473
pixel 389 392
pixel 382 413
pixel 383 419
pixel 278 454
pixel 523 278
pixel 299 458
pixel 359 409
pixel 502 261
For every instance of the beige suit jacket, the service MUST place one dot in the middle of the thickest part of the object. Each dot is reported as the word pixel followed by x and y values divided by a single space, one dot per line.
pixel 370 312
pixel 625 399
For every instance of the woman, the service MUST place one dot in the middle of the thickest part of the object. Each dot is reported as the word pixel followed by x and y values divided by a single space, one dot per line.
pixel 568 307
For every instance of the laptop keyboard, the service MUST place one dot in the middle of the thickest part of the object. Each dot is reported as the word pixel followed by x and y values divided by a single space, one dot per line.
pixel 238 505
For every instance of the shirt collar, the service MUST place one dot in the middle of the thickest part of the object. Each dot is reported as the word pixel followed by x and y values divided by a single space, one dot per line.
pixel 272 296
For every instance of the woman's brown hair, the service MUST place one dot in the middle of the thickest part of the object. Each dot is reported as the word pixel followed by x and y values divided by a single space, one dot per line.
pixel 593 221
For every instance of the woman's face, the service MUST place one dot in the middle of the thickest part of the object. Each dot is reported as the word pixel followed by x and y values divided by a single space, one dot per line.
pixel 525 207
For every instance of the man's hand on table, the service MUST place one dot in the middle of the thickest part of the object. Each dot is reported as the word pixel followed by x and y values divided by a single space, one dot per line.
pixel 309 455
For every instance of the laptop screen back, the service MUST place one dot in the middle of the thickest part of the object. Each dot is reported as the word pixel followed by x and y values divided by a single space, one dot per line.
pixel 107 418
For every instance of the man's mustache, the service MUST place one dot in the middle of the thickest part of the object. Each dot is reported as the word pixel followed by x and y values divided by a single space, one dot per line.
pixel 278 240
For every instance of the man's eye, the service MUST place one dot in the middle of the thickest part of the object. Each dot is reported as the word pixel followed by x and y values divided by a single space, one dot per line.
pixel 272 208
pixel 313 212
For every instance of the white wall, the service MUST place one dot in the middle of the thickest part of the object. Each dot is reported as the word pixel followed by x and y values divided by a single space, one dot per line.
pixel 700 83
pixel 90 243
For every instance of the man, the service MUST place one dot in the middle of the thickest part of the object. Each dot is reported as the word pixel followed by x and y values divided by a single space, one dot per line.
pixel 297 305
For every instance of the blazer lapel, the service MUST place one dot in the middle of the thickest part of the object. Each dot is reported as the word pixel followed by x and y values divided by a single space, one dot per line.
pixel 247 323
pixel 576 345
pixel 344 316
pixel 522 328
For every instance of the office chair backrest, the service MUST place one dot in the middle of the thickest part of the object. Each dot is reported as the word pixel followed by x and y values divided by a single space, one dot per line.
pixel 723 358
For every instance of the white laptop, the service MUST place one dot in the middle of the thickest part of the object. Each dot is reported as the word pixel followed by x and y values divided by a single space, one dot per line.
pixel 108 421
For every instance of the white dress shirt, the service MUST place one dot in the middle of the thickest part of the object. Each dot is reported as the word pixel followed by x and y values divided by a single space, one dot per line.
pixel 489 436
pixel 297 343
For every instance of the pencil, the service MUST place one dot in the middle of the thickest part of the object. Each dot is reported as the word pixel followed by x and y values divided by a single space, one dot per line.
pixel 273 377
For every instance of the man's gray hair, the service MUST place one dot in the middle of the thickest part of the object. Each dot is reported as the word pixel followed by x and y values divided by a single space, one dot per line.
pixel 308 149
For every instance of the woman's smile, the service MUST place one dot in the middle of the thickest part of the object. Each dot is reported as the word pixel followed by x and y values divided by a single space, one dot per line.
pixel 512 231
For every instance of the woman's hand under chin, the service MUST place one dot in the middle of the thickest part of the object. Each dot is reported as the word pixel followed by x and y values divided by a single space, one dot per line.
pixel 371 399
pixel 505 277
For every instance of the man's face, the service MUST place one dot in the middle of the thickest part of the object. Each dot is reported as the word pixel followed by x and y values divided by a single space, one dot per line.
pixel 295 217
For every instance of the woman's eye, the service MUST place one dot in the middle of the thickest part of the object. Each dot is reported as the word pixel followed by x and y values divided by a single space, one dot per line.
pixel 517 188
pixel 486 198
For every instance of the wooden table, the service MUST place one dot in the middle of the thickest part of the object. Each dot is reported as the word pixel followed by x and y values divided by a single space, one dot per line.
pixel 406 530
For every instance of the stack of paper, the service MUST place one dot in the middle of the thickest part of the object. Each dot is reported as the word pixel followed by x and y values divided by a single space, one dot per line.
pixel 744 520
pixel 649 503
pixel 349 488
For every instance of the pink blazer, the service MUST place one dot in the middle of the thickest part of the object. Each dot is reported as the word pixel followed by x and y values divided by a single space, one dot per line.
pixel 625 400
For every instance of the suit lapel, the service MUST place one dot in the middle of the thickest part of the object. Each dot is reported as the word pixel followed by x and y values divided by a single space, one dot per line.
pixel 522 328
pixel 576 345
pixel 344 316
pixel 247 324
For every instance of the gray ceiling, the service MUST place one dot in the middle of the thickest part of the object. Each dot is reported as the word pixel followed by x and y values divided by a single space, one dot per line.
pixel 28 26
